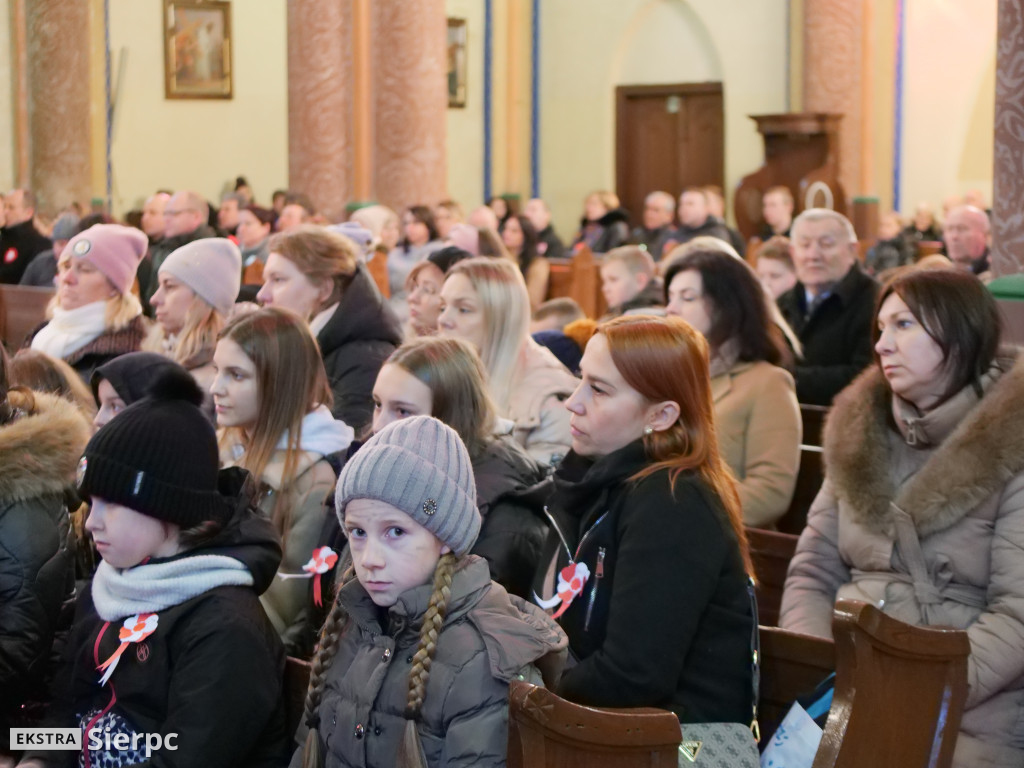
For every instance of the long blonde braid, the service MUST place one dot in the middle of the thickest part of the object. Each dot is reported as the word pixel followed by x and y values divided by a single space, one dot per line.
pixel 410 750
pixel 330 635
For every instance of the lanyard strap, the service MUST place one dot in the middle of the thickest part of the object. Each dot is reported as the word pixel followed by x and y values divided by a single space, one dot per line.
pixel 755 654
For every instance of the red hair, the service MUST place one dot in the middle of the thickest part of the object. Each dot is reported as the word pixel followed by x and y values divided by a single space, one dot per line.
pixel 664 358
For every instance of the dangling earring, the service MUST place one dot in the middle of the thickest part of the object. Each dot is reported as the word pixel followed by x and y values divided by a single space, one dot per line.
pixel 648 429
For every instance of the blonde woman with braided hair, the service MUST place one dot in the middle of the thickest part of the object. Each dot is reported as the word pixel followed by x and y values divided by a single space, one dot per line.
pixel 416 655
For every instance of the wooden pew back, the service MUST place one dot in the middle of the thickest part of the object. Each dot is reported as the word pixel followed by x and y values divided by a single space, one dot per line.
pixel 546 731
pixel 22 308
pixel 771 552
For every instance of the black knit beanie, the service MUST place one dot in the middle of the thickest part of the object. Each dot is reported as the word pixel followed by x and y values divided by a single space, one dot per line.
pixel 158 456
pixel 132 374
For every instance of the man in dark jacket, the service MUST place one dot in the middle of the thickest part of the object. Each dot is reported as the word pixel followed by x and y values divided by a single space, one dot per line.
pixel 695 219
pixel 20 241
pixel 43 269
pixel 831 307
pixel 549 244
pixel 657 229
pixel 185 220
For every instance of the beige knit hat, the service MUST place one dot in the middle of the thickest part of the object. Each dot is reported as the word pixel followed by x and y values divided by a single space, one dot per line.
pixel 211 267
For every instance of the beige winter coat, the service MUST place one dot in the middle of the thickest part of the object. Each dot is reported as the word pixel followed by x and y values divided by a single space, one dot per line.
pixel 952 479
pixel 757 420
pixel 536 404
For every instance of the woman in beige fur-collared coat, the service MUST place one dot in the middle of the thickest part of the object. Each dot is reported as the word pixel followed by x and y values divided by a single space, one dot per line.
pixel 922 510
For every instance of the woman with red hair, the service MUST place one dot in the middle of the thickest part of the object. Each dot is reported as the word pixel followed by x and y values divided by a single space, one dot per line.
pixel 649 569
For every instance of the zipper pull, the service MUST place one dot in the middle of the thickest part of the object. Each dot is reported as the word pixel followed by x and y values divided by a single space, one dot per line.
pixel 911 431
pixel 599 569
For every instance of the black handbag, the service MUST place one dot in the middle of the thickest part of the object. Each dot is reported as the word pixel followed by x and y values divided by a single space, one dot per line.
pixel 728 745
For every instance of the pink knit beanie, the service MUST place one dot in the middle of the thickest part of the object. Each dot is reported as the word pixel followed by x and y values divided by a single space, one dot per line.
pixel 465 237
pixel 114 250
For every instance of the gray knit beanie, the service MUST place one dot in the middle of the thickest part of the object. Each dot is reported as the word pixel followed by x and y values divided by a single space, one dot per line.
pixel 420 466
pixel 211 267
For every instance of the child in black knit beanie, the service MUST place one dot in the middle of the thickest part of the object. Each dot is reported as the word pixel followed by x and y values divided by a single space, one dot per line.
pixel 171 656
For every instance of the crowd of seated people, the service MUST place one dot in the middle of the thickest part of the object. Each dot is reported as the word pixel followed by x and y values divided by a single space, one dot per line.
pixel 245 433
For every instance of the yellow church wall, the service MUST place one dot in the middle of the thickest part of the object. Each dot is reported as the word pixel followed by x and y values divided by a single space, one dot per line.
pixel 199 144
pixel 7 165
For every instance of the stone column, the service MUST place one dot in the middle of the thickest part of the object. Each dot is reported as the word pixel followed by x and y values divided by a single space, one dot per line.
pixel 319 102
pixel 833 76
pixel 410 95
pixel 1008 187
pixel 58 102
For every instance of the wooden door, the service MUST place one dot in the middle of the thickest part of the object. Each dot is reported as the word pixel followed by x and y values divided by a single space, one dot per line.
pixel 668 137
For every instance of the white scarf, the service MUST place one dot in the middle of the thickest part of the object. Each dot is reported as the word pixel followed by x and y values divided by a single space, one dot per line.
pixel 71 329
pixel 118 593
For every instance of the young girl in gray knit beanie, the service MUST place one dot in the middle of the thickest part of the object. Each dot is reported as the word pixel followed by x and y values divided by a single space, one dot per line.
pixel 415 657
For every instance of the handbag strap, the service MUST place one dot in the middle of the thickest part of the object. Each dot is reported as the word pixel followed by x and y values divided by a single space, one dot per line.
pixel 755 654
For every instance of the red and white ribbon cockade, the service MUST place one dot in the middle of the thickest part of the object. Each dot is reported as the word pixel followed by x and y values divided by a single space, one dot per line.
pixel 571 581
pixel 134 630
pixel 324 558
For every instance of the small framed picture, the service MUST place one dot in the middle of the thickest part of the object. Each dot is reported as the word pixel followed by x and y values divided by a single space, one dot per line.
pixel 197 50
pixel 457 63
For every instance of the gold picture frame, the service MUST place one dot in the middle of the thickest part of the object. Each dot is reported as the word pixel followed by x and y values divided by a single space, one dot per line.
pixel 457 63
pixel 197 50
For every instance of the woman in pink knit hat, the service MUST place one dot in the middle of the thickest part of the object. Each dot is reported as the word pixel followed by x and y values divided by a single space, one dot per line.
pixel 95 316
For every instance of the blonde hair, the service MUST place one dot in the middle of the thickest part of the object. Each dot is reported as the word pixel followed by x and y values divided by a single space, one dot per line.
pixel 195 342
pixel 330 638
pixel 320 255
pixel 608 199
pixel 632 257
pixel 122 309
pixel 506 310
pixel 374 218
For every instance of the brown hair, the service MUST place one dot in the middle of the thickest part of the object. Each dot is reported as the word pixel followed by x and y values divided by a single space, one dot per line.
pixel 664 358
pixel 320 255
pixel 40 372
pixel 290 382
pixel 777 248
pixel 12 398
pixel 419 674
pixel 452 371
pixel 957 311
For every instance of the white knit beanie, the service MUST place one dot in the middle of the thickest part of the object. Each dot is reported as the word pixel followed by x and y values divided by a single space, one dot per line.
pixel 211 267
pixel 422 467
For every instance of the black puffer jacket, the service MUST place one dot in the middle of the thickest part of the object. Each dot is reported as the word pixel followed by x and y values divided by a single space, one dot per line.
pixel 211 672
pixel 610 231
pixel 664 619
pixel 356 341
pixel 38 455
pixel 513 531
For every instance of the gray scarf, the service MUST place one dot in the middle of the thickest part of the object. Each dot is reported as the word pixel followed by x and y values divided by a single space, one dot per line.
pixel 119 593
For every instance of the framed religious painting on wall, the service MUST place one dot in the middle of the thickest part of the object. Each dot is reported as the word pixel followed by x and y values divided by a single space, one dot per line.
pixel 457 63
pixel 197 50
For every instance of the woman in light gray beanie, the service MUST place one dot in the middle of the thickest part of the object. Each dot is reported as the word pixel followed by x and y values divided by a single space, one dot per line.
pixel 421 638
pixel 198 284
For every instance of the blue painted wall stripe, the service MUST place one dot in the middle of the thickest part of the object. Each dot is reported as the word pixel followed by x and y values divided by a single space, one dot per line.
pixel 535 103
pixel 897 149
pixel 488 75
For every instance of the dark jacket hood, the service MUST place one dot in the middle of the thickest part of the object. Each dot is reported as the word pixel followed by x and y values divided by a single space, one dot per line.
pixel 247 536
pixel 503 468
pixel 362 315
pixel 131 375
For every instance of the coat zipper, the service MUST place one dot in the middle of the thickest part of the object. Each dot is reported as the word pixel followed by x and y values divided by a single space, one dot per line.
pixel 598 575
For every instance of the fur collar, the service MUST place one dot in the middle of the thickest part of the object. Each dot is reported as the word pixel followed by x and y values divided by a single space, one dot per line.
pixel 978 457
pixel 39 451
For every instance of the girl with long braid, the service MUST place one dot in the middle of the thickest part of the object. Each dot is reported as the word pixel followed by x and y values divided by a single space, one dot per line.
pixel 416 655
